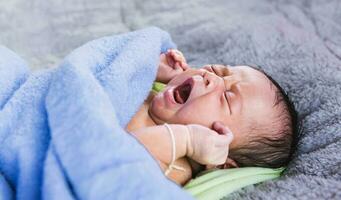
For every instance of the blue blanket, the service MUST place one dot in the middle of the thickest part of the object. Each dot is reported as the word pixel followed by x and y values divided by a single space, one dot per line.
pixel 62 130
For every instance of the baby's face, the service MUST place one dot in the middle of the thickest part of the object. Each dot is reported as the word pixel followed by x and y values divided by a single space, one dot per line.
pixel 232 95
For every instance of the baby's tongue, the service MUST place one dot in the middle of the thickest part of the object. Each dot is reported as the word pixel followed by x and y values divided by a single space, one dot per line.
pixel 178 98
pixel 182 93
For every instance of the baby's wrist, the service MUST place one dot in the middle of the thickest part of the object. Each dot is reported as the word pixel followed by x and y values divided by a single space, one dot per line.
pixel 180 139
pixel 189 147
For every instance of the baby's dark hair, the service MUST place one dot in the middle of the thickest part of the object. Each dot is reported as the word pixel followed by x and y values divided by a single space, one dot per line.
pixel 276 145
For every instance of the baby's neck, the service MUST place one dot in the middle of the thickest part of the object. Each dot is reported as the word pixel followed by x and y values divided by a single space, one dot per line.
pixel 142 119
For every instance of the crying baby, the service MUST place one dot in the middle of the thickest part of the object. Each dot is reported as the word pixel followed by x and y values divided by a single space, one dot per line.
pixel 215 116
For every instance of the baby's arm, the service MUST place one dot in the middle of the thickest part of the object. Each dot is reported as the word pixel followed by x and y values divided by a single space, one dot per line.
pixel 158 142
pixel 204 145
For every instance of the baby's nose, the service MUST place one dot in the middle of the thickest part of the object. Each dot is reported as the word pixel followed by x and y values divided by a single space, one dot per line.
pixel 210 79
pixel 213 82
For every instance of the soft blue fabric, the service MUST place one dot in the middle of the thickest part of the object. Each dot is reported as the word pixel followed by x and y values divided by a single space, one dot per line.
pixel 62 130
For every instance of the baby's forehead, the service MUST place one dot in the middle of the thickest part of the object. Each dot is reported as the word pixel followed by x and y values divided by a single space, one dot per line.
pixel 255 76
pixel 249 70
pixel 259 89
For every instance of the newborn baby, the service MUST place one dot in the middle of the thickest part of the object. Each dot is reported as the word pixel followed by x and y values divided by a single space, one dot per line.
pixel 220 116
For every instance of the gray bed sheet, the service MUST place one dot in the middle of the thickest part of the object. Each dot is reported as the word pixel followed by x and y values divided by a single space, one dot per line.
pixel 296 42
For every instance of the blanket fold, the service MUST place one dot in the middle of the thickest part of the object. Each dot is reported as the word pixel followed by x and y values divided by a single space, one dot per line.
pixel 62 131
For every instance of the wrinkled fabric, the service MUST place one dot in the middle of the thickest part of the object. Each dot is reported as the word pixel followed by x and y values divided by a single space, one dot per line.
pixel 297 42
pixel 62 130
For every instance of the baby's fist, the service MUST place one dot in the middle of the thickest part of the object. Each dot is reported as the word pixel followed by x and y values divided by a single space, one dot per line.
pixel 207 146
pixel 171 64
pixel 176 58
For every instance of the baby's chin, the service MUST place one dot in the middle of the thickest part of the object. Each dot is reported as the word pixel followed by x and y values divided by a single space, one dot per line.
pixel 155 111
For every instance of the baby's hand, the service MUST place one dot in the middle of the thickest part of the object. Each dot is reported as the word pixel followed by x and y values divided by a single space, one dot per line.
pixel 176 58
pixel 209 147
pixel 171 64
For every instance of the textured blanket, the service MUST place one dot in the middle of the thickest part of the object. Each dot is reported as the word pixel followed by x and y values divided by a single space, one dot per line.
pixel 298 42
pixel 62 130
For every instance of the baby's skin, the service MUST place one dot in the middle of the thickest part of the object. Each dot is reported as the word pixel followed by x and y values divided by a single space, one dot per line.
pixel 207 109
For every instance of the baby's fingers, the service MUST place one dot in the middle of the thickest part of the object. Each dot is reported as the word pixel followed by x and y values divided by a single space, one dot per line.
pixel 170 61
pixel 225 136
pixel 221 155
pixel 177 55
pixel 224 141
pixel 220 128
pixel 184 65
pixel 178 67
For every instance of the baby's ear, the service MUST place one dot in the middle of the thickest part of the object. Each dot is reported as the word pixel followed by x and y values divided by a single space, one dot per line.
pixel 230 164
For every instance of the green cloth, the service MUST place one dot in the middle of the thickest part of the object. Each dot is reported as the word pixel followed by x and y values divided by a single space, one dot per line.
pixel 157 87
pixel 218 183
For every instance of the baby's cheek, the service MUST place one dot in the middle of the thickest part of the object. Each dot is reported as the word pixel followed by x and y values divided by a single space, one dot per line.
pixel 240 130
pixel 157 107
pixel 195 116
pixel 157 102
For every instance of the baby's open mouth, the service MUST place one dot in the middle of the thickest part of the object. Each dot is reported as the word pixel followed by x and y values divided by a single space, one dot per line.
pixel 182 92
